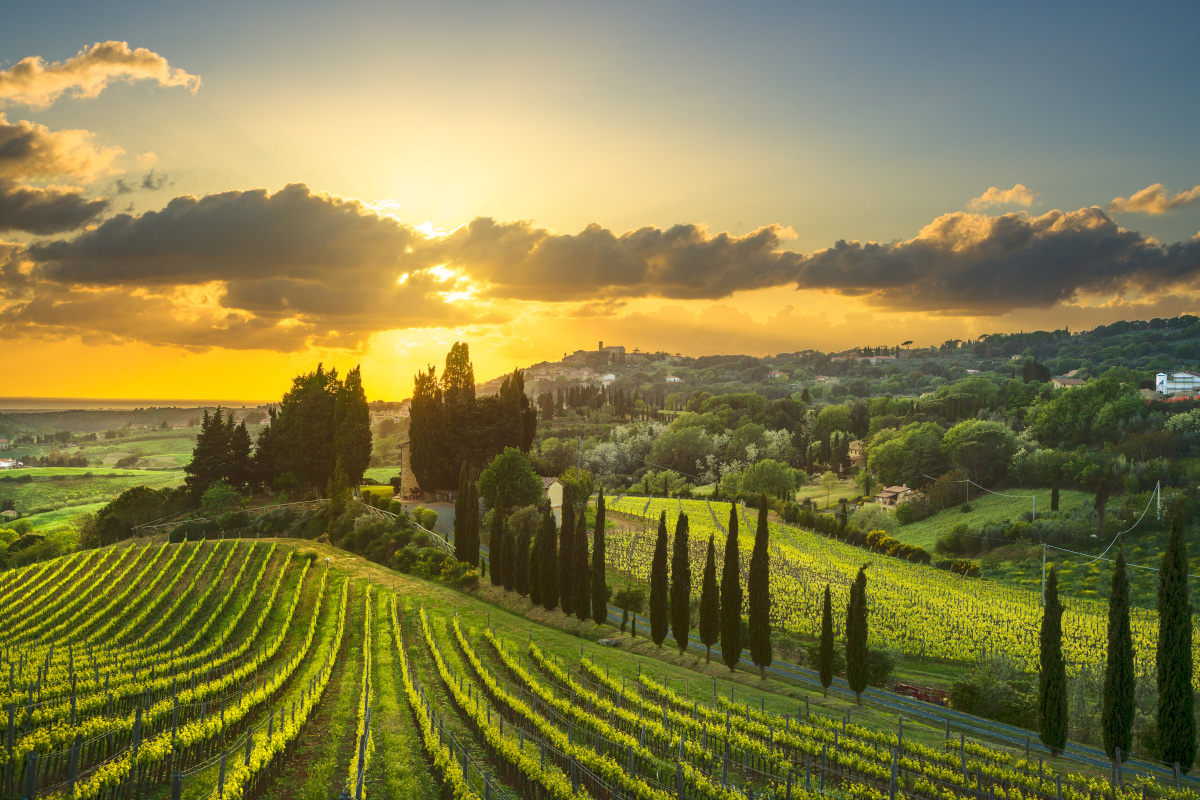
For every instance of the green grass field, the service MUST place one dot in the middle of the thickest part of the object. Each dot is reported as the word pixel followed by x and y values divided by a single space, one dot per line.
pixel 846 488
pixel 55 489
pixel 155 449
pixel 985 510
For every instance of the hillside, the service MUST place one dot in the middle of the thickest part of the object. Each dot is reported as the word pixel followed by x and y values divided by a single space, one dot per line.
pixel 299 667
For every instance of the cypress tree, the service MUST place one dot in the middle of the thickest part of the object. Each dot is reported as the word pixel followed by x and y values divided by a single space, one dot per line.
pixel 566 544
pixel 759 589
pixel 508 546
pixel 1052 680
pixel 681 585
pixel 583 587
pixel 856 635
pixel 496 547
pixel 549 572
pixel 599 578
pixel 731 595
pixel 536 562
pixel 825 653
pixel 1116 712
pixel 521 562
pixel 710 602
pixel 461 523
pixel 1176 723
pixel 659 581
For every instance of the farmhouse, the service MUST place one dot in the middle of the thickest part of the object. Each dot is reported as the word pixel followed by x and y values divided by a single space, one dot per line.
pixel 554 493
pixel 4 444
pixel 892 496
pixel 10 463
pixel 858 456
pixel 673 379
pixel 774 374
pixel 1067 383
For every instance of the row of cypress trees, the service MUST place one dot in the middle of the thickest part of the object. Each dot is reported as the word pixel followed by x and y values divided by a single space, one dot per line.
pixel 720 609
pixel 856 638
pixel 554 569
pixel 1175 725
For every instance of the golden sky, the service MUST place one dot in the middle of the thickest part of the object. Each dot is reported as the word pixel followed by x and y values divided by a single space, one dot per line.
pixel 207 215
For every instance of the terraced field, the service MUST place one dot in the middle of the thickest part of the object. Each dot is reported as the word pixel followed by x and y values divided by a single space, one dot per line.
pixel 291 670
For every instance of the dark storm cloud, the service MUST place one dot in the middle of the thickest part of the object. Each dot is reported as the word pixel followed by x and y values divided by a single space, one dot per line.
pixel 45 210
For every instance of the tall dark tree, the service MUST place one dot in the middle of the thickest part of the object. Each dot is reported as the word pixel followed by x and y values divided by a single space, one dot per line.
pixel 599 577
pixel 731 595
pixel 549 575
pixel 1052 678
pixel 210 457
pixel 825 648
pixel 566 550
pixel 1117 702
pixel 710 602
pixel 496 547
pixel 352 427
pixel 426 428
pixel 462 519
pixel 856 635
pixel 681 585
pixel 582 602
pixel 521 563
pixel 759 588
pixel 306 427
pixel 240 469
pixel 264 465
pixel 1176 721
pixel 536 562
pixel 660 580
pixel 508 548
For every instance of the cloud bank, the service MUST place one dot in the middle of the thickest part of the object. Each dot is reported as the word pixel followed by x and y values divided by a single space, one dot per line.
pixel 1154 199
pixel 294 268
pixel 36 83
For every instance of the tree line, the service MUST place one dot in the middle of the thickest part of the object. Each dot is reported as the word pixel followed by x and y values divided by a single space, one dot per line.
pixel 318 438
pixel 449 425
pixel 1172 738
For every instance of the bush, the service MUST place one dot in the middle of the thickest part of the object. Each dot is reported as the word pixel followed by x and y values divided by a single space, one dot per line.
pixel 39 548
pixel 880 664
pixel 996 691
pixel 906 513
pixel 965 508
pixel 395 506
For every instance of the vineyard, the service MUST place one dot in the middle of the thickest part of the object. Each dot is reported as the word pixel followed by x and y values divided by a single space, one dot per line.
pixel 916 610
pixel 230 669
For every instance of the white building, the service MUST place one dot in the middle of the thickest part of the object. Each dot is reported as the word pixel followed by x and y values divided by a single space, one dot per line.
pixel 673 379
pixel 1176 383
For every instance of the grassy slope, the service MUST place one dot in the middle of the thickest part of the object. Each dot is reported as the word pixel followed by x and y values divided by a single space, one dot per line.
pixel 986 509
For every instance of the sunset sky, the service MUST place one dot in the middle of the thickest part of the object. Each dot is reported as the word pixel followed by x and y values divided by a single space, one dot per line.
pixel 202 200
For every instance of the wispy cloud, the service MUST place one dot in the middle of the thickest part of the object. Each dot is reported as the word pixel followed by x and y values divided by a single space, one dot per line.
pixel 1018 195
pixel 34 82
pixel 1155 199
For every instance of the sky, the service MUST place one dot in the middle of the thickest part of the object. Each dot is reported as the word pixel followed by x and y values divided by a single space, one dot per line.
pixel 205 200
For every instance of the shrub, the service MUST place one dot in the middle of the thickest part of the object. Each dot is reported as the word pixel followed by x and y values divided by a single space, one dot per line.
pixel 906 513
pixel 996 691
pixel 880 664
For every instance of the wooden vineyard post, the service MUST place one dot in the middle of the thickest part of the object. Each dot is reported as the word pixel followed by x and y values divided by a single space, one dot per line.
pixel 176 785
